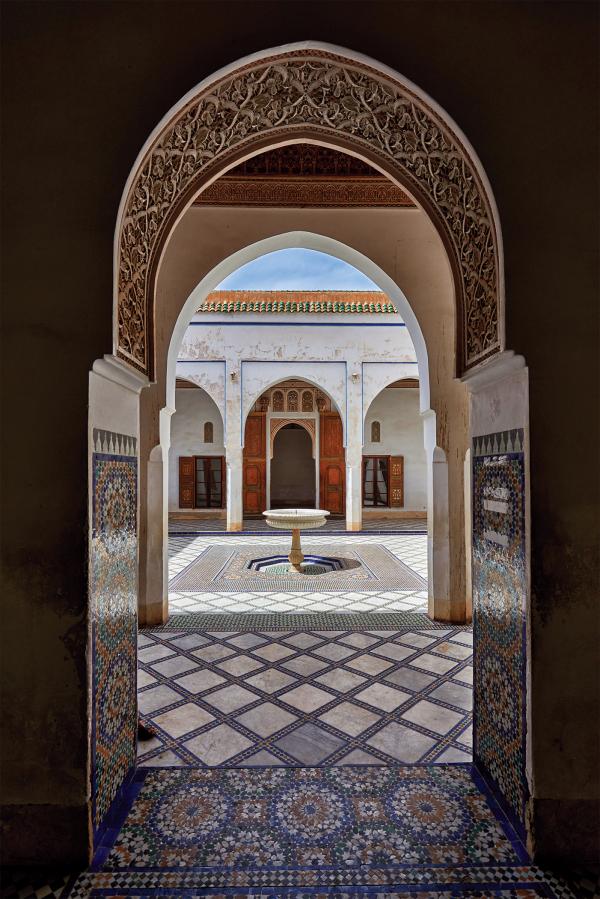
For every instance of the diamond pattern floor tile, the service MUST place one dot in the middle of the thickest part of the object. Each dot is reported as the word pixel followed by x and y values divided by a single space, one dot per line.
pixel 266 719
pixel 217 745
pixel 309 744
pixel 182 720
pixel 230 699
pixel 308 707
pixel 306 698
pixel 350 718
pixel 401 743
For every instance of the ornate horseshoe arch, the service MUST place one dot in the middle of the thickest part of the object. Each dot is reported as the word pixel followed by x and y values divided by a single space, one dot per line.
pixel 320 93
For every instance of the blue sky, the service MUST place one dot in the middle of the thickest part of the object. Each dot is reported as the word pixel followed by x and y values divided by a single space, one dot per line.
pixel 297 269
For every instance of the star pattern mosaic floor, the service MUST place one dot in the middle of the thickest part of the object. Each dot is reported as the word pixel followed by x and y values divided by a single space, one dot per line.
pixel 409 549
pixel 306 697
pixel 424 832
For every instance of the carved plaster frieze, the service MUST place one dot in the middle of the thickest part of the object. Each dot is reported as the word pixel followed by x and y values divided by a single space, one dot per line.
pixel 324 95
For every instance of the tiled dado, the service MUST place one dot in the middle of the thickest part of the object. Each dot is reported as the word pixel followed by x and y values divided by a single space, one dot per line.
pixel 113 593
pixel 286 698
pixel 499 614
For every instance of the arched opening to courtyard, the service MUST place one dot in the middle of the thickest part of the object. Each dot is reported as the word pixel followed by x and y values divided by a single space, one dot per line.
pixel 440 249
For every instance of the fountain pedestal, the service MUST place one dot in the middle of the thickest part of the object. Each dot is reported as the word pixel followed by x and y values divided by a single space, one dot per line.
pixel 296 520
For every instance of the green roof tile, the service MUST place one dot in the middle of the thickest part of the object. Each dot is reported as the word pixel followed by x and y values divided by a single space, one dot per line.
pixel 310 301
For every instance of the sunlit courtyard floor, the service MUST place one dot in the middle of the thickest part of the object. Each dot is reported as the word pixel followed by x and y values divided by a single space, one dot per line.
pixel 370 595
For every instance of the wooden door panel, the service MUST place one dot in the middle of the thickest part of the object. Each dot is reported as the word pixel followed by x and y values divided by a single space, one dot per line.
pixel 332 463
pixel 254 486
pixel 254 476
pixel 332 487
pixel 254 442
pixel 187 482
pixel 332 436
pixel 396 481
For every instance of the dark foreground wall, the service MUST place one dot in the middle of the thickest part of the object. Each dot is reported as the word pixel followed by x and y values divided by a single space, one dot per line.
pixel 83 86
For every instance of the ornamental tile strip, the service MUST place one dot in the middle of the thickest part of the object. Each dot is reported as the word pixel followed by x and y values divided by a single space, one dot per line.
pixel 113 589
pixel 333 301
pixel 499 613
pixel 286 620
pixel 430 832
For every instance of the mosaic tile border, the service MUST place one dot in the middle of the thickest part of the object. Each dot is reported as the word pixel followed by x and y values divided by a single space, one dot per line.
pixel 332 621
pixel 222 569
pixel 499 615
pixel 513 879
pixel 113 615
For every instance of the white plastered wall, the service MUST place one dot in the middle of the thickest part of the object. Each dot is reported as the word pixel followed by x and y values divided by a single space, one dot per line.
pixel 397 410
pixel 193 408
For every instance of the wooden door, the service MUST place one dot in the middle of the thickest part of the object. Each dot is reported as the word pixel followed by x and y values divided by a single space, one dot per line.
pixel 187 482
pixel 332 464
pixel 396 481
pixel 255 464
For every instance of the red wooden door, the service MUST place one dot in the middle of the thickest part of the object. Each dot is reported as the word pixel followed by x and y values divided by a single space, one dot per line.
pixel 332 463
pixel 255 464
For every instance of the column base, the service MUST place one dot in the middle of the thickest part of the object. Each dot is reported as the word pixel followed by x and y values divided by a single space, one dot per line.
pixel 446 612
pixel 235 526
pixel 153 615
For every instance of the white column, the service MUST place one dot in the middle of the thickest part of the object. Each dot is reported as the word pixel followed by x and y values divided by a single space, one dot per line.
pixel 235 509
pixel 354 496
pixel 233 446
pixel 156 594
pixel 438 541
pixel 354 435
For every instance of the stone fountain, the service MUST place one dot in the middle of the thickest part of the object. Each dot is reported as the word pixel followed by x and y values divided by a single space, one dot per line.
pixel 296 520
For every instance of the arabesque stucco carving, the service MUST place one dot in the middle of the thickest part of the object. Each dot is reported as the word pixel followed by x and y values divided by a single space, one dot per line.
pixel 349 104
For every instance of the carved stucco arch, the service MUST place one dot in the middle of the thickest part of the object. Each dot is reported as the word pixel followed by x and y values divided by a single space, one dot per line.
pixel 311 92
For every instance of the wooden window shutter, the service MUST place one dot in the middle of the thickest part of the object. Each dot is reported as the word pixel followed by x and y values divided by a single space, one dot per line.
pixel 187 482
pixel 396 486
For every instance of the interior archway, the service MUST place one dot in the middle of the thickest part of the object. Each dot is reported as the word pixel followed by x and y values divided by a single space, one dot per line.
pixel 205 137
pixel 456 205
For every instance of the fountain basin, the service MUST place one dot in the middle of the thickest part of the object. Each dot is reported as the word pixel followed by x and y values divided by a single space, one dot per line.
pixel 296 520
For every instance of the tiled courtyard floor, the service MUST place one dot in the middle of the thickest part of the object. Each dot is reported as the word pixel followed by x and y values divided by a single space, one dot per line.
pixel 333 525
pixel 411 549
pixel 305 761
pixel 306 697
